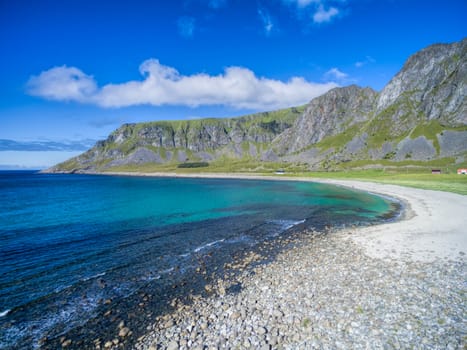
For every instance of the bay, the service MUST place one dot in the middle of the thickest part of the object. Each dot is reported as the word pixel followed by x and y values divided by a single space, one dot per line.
pixel 69 243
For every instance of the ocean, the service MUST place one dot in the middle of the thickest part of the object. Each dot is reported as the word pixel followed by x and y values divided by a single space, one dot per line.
pixel 73 247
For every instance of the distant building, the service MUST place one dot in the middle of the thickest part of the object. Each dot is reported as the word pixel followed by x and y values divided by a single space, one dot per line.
pixel 461 171
pixel 280 172
pixel 436 171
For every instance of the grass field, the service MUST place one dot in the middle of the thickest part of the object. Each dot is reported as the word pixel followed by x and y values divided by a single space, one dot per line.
pixel 444 182
pixel 412 177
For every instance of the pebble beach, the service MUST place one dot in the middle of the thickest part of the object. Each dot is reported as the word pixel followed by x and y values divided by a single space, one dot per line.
pixel 398 285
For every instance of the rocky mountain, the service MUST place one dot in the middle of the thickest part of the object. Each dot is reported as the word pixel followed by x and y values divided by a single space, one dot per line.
pixel 419 116
pixel 328 115
pixel 184 141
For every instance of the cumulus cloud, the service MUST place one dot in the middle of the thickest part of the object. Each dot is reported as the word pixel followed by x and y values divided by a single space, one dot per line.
pixel 186 26
pixel 322 15
pixel 237 87
pixel 62 83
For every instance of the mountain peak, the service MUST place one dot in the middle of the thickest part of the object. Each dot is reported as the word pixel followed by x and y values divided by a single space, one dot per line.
pixel 419 116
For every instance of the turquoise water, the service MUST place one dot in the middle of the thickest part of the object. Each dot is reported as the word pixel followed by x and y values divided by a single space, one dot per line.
pixel 68 242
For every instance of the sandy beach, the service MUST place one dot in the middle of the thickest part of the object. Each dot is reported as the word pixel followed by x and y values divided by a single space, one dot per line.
pixel 397 285
pixel 433 226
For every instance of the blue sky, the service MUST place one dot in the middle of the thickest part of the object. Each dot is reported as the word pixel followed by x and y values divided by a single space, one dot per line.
pixel 72 71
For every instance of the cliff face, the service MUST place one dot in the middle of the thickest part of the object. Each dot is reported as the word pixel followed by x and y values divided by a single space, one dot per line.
pixel 431 85
pixel 411 119
pixel 181 141
pixel 420 115
pixel 328 115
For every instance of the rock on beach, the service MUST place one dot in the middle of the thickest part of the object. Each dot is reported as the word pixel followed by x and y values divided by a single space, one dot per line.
pixel 334 291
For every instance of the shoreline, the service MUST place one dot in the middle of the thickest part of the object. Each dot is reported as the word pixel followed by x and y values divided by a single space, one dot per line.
pixel 424 211
pixel 398 284
pixel 392 285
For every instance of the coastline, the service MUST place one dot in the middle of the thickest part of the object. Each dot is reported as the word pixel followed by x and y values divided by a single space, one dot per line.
pixel 431 225
pixel 390 285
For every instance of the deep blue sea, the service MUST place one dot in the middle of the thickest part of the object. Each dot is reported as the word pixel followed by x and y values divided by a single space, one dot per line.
pixel 69 243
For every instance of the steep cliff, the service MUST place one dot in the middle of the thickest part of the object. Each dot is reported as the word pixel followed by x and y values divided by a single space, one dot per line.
pixel 411 119
pixel 328 115
pixel 419 116
pixel 182 141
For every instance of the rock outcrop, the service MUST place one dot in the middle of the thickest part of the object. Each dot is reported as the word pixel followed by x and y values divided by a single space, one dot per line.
pixel 329 115
pixel 420 115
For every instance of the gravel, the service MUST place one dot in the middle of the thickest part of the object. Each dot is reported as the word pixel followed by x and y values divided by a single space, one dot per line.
pixel 323 292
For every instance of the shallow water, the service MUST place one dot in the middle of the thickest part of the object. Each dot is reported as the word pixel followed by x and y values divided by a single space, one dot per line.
pixel 70 242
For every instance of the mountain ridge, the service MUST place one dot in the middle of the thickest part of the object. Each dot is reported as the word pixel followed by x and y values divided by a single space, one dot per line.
pixel 419 116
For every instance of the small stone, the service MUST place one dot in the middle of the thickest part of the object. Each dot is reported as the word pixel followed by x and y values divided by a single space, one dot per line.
pixel 108 344
pixel 123 332
pixel 278 314
pixel 66 343
pixel 261 330
pixel 173 345
pixel 221 291
pixel 273 340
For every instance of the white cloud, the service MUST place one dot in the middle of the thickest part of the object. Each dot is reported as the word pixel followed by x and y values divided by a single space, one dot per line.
pixel 301 3
pixel 334 74
pixel 186 26
pixel 62 83
pixel 237 87
pixel 322 15
pixel 319 11
pixel 267 21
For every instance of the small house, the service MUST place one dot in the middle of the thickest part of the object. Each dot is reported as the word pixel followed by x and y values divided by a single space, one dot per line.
pixel 436 171
pixel 461 171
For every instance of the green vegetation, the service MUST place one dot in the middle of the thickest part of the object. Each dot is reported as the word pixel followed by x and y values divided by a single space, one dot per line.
pixel 340 140
pixel 381 128
pixel 222 165
pixel 431 129
pixel 69 165
pixel 287 115
pixel 193 165
pixel 411 174
pixel 417 178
